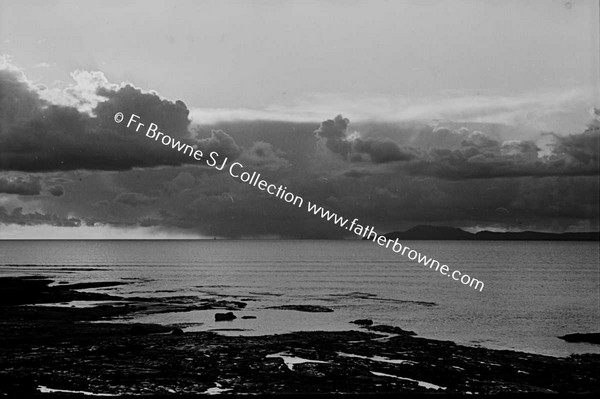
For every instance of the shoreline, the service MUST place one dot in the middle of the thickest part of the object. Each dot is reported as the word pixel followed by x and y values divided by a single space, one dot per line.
pixel 76 350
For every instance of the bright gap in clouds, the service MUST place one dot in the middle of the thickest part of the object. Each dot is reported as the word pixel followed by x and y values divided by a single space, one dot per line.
pixel 562 111
pixel 47 232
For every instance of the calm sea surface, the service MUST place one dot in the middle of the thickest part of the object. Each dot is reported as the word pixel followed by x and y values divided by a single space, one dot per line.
pixel 534 291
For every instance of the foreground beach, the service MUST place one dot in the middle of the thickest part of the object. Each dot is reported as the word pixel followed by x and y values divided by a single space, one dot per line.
pixel 75 349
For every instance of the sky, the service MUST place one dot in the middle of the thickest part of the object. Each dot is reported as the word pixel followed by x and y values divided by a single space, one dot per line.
pixel 473 114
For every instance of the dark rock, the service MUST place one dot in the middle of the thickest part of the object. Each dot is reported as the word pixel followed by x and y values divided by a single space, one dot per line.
pixel 391 330
pixel 138 329
pixel 224 316
pixel 35 289
pixel 146 329
pixel 363 322
pixel 194 303
pixel 248 317
pixel 177 331
pixel 592 338
pixel 303 308
pixel 229 305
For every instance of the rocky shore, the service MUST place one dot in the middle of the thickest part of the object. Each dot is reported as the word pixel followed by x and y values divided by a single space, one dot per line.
pixel 75 349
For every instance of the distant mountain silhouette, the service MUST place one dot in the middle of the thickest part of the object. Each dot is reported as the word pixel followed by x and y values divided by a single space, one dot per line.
pixel 453 233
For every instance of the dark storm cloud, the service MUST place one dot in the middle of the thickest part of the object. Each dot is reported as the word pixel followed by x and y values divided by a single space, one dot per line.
pixel 56 191
pixel 581 148
pixel 383 151
pixel 333 134
pixel 388 175
pixel 465 154
pixel 463 186
pixel 440 137
pixel 479 140
pixel 183 181
pixel 134 199
pixel 220 142
pixel 482 157
pixel 41 137
pixel 293 141
pixel 263 155
pixel 526 150
pixel 16 216
pixel 215 205
pixel 17 101
pixel 357 174
pixel 21 185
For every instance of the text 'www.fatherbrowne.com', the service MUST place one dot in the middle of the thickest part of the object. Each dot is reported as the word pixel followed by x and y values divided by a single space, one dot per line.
pixel 253 178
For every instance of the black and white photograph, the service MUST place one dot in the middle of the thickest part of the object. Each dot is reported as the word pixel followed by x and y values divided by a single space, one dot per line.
pixel 294 197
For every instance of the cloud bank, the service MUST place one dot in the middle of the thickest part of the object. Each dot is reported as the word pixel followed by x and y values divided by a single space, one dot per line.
pixel 65 162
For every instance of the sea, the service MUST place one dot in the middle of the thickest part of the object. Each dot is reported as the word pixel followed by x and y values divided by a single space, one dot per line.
pixel 533 293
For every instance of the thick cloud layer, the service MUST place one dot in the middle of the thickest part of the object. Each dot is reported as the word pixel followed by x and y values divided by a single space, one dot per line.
pixel 16 216
pixel 482 157
pixel 37 136
pixel 22 185
pixel 463 154
pixel 134 199
pixel 580 148
pixel 57 191
pixel 333 133
pixel 64 165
